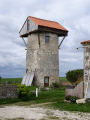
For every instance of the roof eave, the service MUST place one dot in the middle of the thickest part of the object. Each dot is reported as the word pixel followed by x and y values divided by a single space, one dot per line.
pixel 40 29
pixel 85 42
pixel 53 30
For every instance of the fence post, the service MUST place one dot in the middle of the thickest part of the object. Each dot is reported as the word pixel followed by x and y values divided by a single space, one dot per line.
pixel 36 92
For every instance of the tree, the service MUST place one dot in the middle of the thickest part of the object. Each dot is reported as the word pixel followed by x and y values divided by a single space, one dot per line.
pixel 73 75
pixel 0 78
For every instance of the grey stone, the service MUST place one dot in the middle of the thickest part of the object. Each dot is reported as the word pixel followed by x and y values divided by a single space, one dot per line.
pixel 43 60
pixel 8 91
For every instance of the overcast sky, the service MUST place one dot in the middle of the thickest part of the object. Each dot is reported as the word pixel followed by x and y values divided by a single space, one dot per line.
pixel 74 15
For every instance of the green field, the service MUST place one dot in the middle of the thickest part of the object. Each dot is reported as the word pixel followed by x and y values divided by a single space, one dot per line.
pixel 11 80
pixel 62 79
pixel 18 80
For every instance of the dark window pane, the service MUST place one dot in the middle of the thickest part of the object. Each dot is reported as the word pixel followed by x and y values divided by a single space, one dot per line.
pixel 47 39
pixel 46 79
pixel 28 25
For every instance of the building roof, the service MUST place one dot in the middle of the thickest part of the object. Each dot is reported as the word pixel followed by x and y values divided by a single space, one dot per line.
pixel 84 42
pixel 47 23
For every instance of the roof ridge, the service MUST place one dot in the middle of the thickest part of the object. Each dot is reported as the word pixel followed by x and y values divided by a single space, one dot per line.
pixel 47 23
pixel 87 41
pixel 42 19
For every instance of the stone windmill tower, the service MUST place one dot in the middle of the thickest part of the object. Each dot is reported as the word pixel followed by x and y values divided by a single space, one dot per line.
pixel 86 45
pixel 42 64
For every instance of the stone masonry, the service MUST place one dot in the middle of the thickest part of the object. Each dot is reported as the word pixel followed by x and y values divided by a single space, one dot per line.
pixel 86 66
pixel 8 91
pixel 43 59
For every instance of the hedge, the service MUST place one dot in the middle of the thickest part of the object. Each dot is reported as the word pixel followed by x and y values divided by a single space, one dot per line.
pixel 73 75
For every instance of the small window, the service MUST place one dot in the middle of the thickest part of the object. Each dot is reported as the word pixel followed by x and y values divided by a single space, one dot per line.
pixel 47 38
pixel 46 81
pixel 28 25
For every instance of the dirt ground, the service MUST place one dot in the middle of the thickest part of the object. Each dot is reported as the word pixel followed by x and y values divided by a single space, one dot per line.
pixel 15 112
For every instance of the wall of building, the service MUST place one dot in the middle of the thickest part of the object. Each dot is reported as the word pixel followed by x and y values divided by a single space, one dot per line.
pixel 86 66
pixel 32 27
pixel 43 59
pixel 8 91
pixel 77 91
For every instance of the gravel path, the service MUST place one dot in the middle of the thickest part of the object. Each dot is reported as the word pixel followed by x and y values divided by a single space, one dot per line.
pixel 39 113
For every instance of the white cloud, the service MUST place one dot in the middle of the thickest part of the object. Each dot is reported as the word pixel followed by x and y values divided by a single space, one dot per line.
pixel 72 14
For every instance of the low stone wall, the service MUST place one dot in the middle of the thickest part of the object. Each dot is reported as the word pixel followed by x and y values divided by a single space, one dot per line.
pixel 8 91
pixel 76 91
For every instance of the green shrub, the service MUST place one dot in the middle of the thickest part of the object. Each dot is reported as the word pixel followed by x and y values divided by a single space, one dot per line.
pixel 73 75
pixel 67 97
pixel 71 98
pixel 57 85
pixel 79 80
pixel 9 82
pixel 0 78
pixel 23 92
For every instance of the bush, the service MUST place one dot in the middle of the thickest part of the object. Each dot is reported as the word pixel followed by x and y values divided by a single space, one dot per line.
pixel 57 85
pixel 73 75
pixel 23 92
pixel 71 98
pixel 0 78
pixel 9 82
pixel 67 97
pixel 79 80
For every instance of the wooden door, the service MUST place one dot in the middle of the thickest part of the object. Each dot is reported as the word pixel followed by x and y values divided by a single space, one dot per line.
pixel 46 81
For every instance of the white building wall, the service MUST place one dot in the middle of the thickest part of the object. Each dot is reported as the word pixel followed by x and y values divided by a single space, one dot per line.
pixel 44 59
pixel 32 27
pixel 86 70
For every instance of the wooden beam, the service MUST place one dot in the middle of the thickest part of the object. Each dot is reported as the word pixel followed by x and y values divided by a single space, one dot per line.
pixel 39 39
pixel 52 30
pixel 24 41
pixel 61 42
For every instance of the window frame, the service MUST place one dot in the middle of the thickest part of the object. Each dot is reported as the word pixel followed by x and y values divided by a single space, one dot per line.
pixel 28 25
pixel 46 78
pixel 46 83
pixel 47 40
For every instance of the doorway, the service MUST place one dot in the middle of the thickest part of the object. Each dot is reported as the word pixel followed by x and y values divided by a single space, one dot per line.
pixel 46 81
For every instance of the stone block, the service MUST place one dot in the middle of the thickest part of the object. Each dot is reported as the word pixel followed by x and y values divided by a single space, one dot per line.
pixel 81 101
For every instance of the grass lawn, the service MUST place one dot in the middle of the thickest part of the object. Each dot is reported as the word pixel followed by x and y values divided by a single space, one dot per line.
pixel 72 106
pixel 11 80
pixel 56 96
